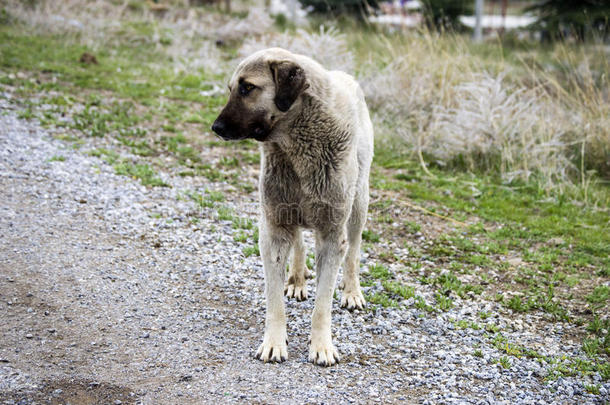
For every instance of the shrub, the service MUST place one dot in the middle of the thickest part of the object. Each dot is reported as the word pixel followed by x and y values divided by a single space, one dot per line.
pixel 581 19
pixel 444 14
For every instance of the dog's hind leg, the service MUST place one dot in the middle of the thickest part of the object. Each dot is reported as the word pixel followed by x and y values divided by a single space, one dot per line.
pixel 352 297
pixel 330 251
pixel 296 287
pixel 275 247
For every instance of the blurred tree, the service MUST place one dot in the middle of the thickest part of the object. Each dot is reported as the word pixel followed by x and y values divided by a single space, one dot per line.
pixel 357 7
pixel 582 19
pixel 444 14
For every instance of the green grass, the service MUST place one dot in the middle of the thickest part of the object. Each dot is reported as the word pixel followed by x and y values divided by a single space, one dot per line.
pixel 504 362
pixel 379 271
pixel 251 251
pixel 398 289
pixel 57 158
pixel 383 299
pixel 600 295
pixel 55 55
pixel 528 214
pixel 592 389
pixel 370 236
pixel 142 172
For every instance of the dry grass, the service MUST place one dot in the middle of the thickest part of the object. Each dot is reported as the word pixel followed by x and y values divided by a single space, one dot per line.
pixel 446 103
pixel 327 45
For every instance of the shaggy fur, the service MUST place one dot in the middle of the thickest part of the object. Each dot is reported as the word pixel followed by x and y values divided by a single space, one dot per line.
pixel 317 146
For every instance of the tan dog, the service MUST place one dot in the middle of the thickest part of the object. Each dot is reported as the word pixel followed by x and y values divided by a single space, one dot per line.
pixel 316 150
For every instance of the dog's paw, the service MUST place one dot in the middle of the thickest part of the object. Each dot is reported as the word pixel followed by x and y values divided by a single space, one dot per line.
pixel 296 290
pixel 271 351
pixel 323 353
pixel 352 300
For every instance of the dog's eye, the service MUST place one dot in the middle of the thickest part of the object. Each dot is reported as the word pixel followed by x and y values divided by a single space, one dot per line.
pixel 245 88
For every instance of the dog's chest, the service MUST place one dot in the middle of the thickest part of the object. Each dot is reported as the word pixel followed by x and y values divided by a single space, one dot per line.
pixel 294 194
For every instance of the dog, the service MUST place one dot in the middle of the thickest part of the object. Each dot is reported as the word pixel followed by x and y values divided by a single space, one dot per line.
pixel 316 141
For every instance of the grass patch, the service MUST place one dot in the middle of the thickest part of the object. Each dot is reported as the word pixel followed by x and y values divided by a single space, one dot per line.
pixel 370 236
pixel 142 172
pixel 379 271
pixel 383 299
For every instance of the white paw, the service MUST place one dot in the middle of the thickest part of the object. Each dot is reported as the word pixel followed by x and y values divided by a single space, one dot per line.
pixel 296 289
pixel 322 352
pixel 352 300
pixel 273 350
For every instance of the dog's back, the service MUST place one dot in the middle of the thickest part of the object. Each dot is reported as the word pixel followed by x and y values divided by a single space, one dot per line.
pixel 349 102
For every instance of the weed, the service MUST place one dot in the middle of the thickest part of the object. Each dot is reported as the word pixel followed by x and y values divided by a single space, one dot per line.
pixel 420 303
pixel 370 236
pixel 251 250
pixel 592 388
pixel 600 295
pixel 517 305
pixel 444 303
pixel 504 362
pixel 399 289
pixel 240 236
pixel 57 158
pixel 380 298
pixel 379 271
pixel 242 223
pixel 143 172
pixel 224 213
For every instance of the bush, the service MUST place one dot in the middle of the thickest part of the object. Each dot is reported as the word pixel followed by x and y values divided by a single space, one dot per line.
pixel 581 19
pixel 444 14
pixel 356 7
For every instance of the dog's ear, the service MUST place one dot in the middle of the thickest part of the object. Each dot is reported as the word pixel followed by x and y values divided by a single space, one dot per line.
pixel 289 81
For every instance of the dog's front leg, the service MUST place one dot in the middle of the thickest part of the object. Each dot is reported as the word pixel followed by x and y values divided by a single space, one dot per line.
pixel 330 251
pixel 275 247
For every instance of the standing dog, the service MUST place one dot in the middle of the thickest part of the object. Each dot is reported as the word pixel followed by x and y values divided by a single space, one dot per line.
pixel 316 150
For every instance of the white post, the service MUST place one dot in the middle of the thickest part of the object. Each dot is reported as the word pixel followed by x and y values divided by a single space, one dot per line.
pixel 478 32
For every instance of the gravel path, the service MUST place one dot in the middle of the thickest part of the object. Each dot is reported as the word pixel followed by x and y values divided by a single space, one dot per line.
pixel 105 301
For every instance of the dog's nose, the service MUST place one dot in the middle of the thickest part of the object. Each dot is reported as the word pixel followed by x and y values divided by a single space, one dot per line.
pixel 219 127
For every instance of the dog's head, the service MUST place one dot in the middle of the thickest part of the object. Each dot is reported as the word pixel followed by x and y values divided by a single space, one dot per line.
pixel 262 91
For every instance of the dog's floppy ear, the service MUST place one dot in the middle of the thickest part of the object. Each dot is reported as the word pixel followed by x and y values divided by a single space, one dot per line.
pixel 289 81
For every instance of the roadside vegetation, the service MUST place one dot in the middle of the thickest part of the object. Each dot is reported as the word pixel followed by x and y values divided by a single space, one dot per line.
pixel 505 145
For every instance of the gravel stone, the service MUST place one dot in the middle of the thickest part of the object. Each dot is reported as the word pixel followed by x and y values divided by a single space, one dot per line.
pixel 176 310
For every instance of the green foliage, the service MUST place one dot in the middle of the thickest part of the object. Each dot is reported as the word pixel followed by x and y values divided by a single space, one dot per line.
pixel 444 303
pixel 382 299
pixel 504 362
pixel 397 288
pixel 600 295
pixel 370 236
pixel 337 7
pixel 581 19
pixel 444 14
pixel 251 250
pixel 143 172
pixel 379 271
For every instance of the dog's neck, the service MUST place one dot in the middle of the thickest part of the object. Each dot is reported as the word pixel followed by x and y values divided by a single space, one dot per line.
pixel 313 142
